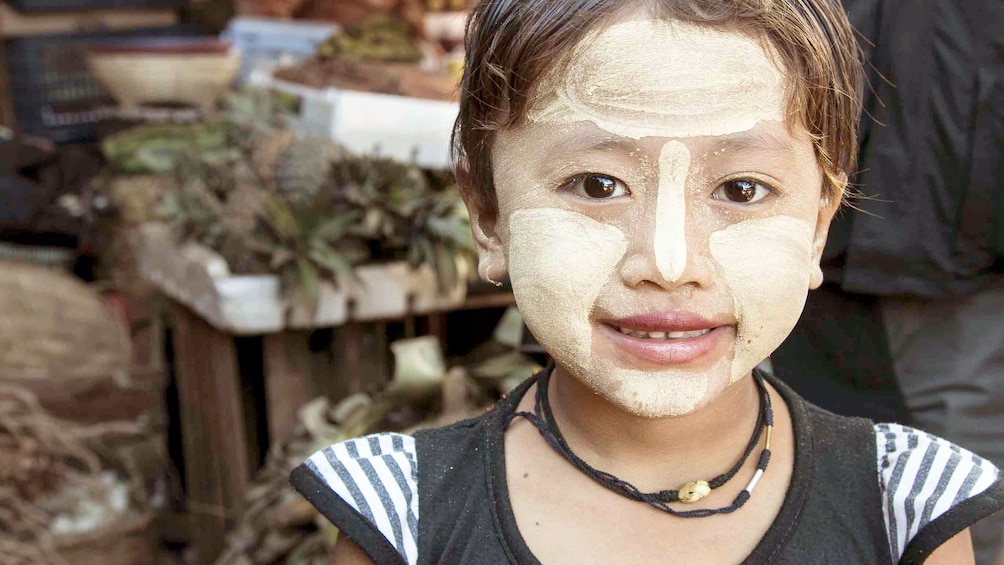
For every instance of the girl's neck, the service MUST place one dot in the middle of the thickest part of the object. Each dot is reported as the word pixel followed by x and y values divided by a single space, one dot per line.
pixel 654 453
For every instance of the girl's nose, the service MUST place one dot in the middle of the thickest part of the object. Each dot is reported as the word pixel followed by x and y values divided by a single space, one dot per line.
pixel 669 240
pixel 659 251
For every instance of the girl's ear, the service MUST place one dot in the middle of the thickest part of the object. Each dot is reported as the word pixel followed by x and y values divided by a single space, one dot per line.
pixel 492 265
pixel 828 206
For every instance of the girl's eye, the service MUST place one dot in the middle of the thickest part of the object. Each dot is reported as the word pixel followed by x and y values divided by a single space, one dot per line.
pixel 596 187
pixel 742 191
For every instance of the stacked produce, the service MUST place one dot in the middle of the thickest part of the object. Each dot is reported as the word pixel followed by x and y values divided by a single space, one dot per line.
pixel 305 209
pixel 377 53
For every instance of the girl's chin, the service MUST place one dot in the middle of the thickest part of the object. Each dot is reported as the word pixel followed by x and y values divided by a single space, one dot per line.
pixel 658 394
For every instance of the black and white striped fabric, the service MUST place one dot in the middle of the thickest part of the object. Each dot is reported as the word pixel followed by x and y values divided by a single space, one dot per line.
pixel 920 477
pixel 378 476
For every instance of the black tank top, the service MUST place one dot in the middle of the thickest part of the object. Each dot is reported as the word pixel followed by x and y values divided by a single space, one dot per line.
pixel 833 512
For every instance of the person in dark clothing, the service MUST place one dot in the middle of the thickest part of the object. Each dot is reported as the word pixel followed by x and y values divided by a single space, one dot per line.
pixel 920 263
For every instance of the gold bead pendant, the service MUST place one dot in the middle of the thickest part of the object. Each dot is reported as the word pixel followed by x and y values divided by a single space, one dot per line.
pixel 694 491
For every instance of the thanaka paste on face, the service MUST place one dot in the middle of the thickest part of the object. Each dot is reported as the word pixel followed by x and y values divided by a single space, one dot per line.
pixel 560 260
pixel 718 82
pixel 671 211
pixel 769 293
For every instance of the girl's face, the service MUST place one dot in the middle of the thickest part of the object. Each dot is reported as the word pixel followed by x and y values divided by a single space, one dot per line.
pixel 660 219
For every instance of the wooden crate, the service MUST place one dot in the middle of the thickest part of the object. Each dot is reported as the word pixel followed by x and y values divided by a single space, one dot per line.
pixel 200 279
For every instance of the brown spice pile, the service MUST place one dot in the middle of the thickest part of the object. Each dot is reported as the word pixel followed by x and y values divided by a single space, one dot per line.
pixel 383 78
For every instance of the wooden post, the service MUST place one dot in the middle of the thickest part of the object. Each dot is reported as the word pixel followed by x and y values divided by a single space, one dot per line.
pixel 292 378
pixel 6 100
pixel 213 428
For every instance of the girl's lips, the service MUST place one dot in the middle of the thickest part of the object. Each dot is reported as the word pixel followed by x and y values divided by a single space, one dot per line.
pixel 677 321
pixel 655 349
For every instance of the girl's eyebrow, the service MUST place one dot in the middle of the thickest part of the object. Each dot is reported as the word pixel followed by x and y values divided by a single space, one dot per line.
pixel 606 143
pixel 754 140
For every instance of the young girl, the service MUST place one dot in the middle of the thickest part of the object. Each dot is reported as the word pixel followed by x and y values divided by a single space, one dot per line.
pixel 656 178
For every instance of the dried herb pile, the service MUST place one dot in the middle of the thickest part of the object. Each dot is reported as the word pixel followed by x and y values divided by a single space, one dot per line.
pixel 57 478
pixel 378 53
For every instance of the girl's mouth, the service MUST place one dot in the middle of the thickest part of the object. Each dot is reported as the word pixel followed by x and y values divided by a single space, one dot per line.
pixel 661 339
pixel 661 335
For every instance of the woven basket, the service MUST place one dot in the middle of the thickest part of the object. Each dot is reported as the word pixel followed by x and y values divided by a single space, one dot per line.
pixel 52 325
pixel 126 542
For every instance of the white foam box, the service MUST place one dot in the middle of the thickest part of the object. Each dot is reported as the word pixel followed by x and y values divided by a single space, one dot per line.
pixel 405 129
pixel 199 278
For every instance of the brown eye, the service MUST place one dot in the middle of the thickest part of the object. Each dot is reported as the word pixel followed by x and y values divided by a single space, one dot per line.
pixel 742 191
pixel 597 187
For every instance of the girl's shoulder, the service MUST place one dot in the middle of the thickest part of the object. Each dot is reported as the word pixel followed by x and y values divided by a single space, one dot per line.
pixel 927 488
pixel 931 489
pixel 368 488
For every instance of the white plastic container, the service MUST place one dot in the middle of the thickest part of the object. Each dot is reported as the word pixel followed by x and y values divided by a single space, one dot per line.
pixel 405 129
pixel 199 278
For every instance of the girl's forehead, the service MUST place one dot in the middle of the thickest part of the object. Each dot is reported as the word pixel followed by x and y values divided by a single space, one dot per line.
pixel 663 78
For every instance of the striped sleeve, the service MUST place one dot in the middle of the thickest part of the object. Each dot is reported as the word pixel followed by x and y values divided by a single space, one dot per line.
pixel 368 488
pixel 925 481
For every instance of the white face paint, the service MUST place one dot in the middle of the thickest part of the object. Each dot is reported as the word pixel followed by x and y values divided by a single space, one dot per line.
pixel 768 292
pixel 646 78
pixel 560 262
pixel 637 93
pixel 671 210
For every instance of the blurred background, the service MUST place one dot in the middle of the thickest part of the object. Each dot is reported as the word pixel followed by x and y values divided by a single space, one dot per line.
pixel 228 237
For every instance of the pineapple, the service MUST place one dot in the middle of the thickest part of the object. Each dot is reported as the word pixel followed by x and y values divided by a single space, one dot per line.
pixel 268 150
pixel 304 169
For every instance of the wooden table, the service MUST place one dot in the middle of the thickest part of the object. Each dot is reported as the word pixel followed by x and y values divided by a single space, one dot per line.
pixel 239 395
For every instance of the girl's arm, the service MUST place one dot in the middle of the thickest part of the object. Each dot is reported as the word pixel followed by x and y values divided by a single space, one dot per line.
pixel 956 551
pixel 348 553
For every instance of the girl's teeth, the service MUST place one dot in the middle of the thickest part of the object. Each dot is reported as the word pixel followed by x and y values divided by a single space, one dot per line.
pixel 663 335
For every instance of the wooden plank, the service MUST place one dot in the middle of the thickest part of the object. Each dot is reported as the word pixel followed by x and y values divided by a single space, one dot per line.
pixel 16 24
pixel 6 100
pixel 496 299
pixel 360 359
pixel 291 380
pixel 213 430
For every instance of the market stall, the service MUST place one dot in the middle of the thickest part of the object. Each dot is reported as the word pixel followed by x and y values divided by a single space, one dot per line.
pixel 265 214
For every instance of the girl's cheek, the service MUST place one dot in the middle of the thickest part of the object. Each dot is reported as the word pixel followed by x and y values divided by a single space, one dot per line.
pixel 766 264
pixel 559 261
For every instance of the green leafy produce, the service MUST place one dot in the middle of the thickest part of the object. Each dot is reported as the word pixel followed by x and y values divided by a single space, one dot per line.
pixel 305 209
pixel 378 37
pixel 160 148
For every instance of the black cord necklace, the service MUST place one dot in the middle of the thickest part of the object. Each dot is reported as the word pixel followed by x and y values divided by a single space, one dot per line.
pixel 543 419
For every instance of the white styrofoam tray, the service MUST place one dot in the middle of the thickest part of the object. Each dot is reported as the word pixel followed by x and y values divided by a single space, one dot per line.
pixel 405 129
pixel 199 278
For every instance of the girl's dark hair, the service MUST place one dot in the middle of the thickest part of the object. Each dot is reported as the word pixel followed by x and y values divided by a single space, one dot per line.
pixel 512 43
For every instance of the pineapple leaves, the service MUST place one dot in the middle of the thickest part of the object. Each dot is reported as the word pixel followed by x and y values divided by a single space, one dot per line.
pixel 309 281
pixel 269 200
pixel 331 260
pixel 333 229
